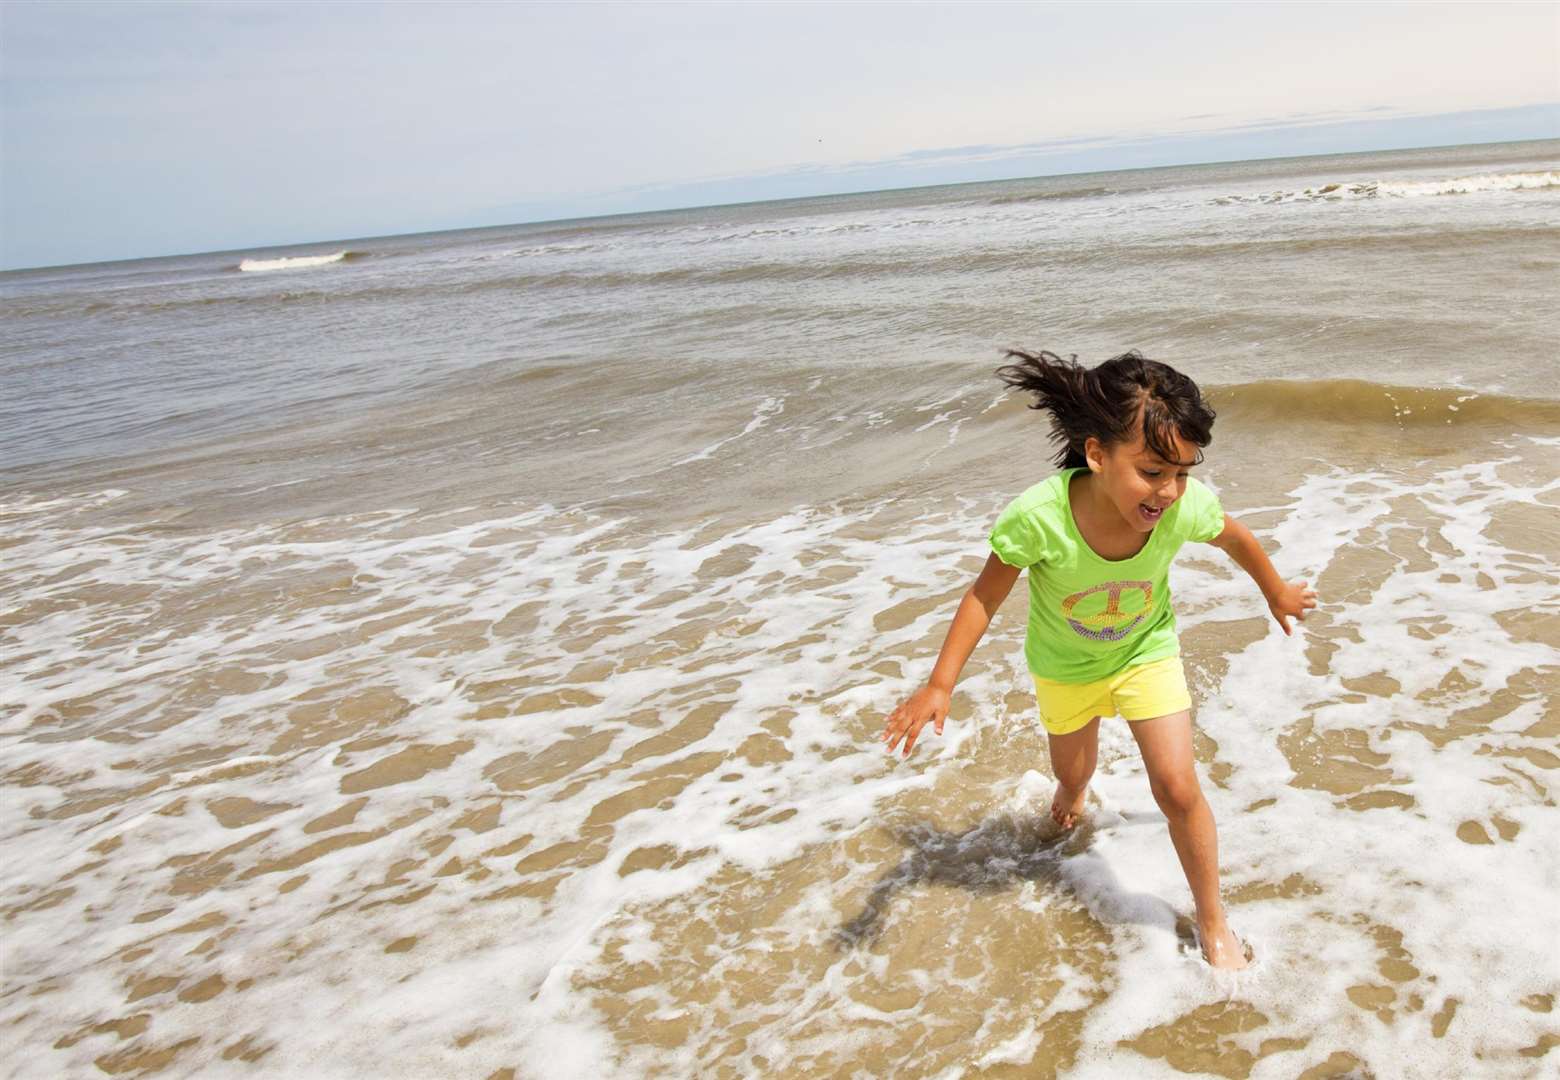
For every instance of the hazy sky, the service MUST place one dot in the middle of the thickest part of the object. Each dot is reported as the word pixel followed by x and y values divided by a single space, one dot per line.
pixel 138 129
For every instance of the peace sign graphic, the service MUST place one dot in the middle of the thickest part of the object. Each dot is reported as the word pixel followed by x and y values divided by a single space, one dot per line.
pixel 1109 623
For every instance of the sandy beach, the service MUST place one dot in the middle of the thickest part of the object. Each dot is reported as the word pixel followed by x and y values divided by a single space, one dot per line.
pixel 465 657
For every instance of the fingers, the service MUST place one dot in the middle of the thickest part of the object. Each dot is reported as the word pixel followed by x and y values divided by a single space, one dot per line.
pixel 1304 600
pixel 897 732
pixel 902 726
pixel 892 721
pixel 1307 601
pixel 898 724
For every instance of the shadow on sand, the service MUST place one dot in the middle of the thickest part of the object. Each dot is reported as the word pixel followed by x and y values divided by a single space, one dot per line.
pixel 998 854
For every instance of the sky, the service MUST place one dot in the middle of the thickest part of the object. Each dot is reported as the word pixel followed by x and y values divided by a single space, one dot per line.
pixel 139 129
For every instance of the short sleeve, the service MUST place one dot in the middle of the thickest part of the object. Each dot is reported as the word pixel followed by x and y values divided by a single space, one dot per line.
pixel 1202 517
pixel 1015 538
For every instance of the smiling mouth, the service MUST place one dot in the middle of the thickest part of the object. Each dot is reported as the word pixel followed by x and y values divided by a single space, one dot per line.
pixel 1151 513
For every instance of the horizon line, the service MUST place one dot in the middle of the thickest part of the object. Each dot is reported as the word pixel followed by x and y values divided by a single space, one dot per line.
pixel 692 207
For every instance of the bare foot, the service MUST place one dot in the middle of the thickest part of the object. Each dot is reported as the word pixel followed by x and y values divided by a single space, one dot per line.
pixel 1221 948
pixel 1067 805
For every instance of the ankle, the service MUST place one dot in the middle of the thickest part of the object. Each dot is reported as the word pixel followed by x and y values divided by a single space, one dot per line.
pixel 1213 921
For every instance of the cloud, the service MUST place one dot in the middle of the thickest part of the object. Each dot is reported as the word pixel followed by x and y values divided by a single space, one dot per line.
pixel 135 129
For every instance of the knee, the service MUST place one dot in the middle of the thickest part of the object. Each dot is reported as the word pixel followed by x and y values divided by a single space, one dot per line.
pixel 1177 795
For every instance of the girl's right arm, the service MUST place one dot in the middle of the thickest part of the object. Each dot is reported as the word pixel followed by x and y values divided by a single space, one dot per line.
pixel 930 703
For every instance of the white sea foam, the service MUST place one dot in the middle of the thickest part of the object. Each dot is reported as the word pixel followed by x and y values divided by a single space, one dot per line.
pixel 766 409
pixel 291 262
pixel 1465 185
pixel 729 684
pixel 1405 189
pixel 1373 881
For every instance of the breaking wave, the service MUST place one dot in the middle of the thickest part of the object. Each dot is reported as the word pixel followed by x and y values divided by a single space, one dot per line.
pixel 1404 189
pixel 291 262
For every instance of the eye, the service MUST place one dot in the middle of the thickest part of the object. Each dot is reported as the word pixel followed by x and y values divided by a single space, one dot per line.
pixel 1149 472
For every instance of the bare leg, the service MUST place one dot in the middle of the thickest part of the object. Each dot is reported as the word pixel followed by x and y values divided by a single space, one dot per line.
pixel 1166 743
pixel 1072 760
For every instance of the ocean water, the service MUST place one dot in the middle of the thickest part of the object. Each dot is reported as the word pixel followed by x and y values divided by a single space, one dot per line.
pixel 464 654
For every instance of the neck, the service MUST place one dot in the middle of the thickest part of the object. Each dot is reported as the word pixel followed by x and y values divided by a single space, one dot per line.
pixel 1097 502
pixel 1096 506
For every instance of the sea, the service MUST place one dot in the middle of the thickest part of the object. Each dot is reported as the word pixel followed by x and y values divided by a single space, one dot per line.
pixel 465 654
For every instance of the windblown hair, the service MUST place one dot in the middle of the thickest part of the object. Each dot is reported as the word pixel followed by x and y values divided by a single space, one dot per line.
pixel 1113 402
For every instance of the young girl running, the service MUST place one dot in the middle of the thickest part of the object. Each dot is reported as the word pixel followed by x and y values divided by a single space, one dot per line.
pixel 1097 539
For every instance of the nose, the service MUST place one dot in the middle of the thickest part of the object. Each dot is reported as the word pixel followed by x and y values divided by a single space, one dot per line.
pixel 1169 491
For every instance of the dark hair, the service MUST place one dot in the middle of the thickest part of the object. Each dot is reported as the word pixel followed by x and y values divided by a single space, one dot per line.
pixel 1112 402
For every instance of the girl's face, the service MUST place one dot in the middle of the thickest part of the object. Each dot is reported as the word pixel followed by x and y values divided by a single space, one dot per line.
pixel 1139 483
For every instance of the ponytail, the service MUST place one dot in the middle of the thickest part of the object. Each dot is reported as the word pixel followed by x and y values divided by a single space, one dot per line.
pixel 1125 395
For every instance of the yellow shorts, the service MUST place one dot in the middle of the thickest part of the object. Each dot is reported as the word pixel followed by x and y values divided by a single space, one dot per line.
pixel 1139 692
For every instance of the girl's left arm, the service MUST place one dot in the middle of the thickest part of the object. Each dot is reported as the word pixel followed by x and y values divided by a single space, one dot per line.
pixel 1286 599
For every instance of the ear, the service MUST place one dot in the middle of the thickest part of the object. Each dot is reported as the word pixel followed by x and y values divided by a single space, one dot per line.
pixel 1094 453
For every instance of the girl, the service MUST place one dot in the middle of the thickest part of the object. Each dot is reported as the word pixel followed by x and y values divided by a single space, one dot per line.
pixel 1097 539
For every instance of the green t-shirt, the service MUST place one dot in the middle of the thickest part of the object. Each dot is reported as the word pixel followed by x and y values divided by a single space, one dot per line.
pixel 1091 617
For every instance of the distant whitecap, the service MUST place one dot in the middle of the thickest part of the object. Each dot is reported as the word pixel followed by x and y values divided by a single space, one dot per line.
pixel 295 262
pixel 1403 189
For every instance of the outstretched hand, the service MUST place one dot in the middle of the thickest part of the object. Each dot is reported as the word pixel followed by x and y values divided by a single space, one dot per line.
pixel 1291 600
pixel 906 722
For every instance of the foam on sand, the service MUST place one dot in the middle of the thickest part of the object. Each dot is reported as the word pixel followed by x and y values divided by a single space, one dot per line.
pixel 443 794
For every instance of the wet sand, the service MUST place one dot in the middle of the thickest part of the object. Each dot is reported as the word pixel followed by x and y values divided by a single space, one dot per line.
pixel 554 785
pixel 467 657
